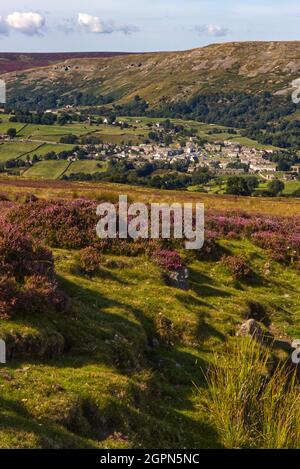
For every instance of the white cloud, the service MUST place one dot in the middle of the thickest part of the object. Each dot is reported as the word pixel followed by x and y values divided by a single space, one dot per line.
pixel 94 25
pixel 213 30
pixel 28 23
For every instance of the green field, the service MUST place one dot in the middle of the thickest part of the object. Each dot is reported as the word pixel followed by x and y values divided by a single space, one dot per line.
pixel 291 186
pixel 47 169
pixel 52 132
pixel 5 124
pixel 86 166
pixel 13 150
pixel 45 148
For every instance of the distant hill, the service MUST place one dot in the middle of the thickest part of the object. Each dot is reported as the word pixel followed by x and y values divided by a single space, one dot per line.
pixel 11 62
pixel 160 78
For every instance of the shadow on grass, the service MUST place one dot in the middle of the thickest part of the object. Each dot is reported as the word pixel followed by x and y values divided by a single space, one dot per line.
pixel 101 331
pixel 19 426
pixel 206 330
pixel 204 286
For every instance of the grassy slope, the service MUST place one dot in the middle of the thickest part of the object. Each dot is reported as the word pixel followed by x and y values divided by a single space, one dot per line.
pixel 145 396
pixel 16 61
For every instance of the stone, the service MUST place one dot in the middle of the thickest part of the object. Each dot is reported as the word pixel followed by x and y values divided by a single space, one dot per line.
pixel 178 279
pixel 251 328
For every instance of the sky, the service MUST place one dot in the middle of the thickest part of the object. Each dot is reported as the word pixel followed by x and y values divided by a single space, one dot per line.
pixel 142 25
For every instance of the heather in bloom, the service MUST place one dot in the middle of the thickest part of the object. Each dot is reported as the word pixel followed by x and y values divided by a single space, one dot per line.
pixel 236 266
pixel 168 260
pixel 65 224
pixel 72 224
pixel 90 260
pixel 27 276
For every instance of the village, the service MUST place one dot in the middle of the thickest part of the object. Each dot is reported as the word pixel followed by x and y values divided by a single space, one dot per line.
pixel 167 145
pixel 222 158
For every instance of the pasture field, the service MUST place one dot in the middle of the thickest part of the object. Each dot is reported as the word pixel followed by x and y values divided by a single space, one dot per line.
pixel 47 169
pixel 14 150
pixel 86 166
pixel 45 148
pixel 4 126
pixel 291 186
pixel 52 132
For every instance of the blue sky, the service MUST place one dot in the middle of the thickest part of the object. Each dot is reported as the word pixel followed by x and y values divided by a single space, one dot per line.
pixel 142 25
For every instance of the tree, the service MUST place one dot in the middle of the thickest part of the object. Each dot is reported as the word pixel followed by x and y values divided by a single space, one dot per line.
pixel 252 183
pixel 69 139
pixel 276 187
pixel 168 140
pixel 63 119
pixel 241 186
pixel 11 133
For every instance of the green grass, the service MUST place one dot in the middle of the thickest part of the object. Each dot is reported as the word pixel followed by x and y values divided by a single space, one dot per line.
pixel 14 150
pixel 47 169
pixel 248 142
pixel 144 395
pixel 54 169
pixel 250 408
pixel 291 186
pixel 5 124
pixel 86 166
pixel 45 148
pixel 52 133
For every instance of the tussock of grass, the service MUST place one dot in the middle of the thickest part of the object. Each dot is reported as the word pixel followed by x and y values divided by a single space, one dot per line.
pixel 250 406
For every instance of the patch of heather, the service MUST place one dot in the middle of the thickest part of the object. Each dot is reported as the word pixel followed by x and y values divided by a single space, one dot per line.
pixel 283 247
pixel 27 276
pixel 71 224
pixel 90 260
pixel 246 225
pixel 236 266
pixel 279 235
pixel 5 208
pixel 65 224
pixel 168 260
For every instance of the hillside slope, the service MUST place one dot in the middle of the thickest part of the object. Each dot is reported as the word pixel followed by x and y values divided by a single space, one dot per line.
pixel 122 366
pixel 170 76
pixel 16 61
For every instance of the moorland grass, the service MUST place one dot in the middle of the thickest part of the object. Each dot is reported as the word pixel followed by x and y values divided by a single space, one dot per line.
pixel 142 392
pixel 251 406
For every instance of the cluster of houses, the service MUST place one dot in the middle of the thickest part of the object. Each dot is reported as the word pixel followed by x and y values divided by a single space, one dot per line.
pixel 221 158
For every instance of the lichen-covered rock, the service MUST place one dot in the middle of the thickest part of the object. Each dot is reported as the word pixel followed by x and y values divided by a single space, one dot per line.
pixel 250 328
pixel 178 278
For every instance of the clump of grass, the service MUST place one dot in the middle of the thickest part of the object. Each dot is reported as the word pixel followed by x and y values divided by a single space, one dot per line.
pixel 249 406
